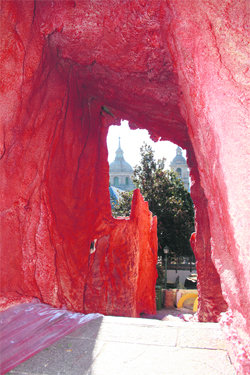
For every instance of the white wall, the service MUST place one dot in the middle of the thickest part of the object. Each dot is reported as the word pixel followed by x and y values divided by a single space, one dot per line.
pixel 172 275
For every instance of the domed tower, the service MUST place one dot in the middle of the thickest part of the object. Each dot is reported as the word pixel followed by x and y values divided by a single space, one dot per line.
pixel 179 165
pixel 120 172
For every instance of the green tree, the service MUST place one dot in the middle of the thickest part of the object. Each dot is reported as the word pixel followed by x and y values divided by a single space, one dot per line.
pixel 167 199
pixel 123 207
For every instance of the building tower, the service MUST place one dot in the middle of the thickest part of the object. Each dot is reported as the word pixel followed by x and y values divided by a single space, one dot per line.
pixel 120 172
pixel 179 165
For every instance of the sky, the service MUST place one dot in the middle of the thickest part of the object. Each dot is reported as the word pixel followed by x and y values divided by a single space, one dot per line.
pixel 132 140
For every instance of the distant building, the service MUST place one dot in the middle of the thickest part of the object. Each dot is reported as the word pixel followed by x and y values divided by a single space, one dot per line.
pixel 179 164
pixel 120 172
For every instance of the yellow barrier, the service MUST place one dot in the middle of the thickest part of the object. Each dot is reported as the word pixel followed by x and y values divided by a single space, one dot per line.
pixel 185 297
pixel 195 306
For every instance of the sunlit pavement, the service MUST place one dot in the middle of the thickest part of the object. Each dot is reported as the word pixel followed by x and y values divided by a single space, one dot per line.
pixel 164 345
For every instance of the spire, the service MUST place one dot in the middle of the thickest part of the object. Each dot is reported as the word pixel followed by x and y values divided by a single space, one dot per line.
pixel 120 164
pixel 119 152
pixel 178 151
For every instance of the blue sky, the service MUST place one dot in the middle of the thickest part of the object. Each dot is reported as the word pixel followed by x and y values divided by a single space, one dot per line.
pixel 132 140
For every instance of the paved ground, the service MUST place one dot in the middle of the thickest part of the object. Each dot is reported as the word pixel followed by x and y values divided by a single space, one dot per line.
pixel 165 345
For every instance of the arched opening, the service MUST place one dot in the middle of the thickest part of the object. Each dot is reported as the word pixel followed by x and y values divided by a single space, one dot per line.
pixel 178 170
pixel 133 146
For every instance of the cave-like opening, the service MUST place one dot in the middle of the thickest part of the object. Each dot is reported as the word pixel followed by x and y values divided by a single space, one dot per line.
pixel 176 219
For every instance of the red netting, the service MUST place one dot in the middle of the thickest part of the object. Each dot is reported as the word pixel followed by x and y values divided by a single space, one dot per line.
pixel 28 328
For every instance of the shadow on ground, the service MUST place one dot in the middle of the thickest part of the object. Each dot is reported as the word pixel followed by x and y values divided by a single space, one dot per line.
pixel 135 346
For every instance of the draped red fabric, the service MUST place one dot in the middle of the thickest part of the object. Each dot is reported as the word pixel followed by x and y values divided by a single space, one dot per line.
pixel 178 68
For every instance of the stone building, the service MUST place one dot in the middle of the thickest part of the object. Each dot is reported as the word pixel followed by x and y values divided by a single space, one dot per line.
pixel 179 164
pixel 120 172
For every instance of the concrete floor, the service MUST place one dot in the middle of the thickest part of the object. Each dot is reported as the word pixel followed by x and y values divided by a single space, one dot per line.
pixel 130 346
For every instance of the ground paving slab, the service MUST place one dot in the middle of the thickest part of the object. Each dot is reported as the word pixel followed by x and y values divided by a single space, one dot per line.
pixel 164 345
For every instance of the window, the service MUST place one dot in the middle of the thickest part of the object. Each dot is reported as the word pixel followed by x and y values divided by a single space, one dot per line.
pixel 127 180
pixel 116 181
pixel 178 170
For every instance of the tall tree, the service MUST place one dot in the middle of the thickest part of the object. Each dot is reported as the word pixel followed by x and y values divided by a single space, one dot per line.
pixel 167 199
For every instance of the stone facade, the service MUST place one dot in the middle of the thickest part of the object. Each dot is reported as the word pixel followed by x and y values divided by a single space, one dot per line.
pixel 179 164
pixel 120 172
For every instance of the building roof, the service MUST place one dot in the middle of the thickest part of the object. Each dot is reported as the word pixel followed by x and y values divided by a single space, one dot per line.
pixel 178 159
pixel 119 164
pixel 115 195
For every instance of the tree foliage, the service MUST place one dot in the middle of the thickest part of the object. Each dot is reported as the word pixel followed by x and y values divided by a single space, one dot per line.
pixel 123 207
pixel 167 199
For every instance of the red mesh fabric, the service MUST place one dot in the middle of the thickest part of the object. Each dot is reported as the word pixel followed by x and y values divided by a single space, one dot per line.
pixel 28 328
